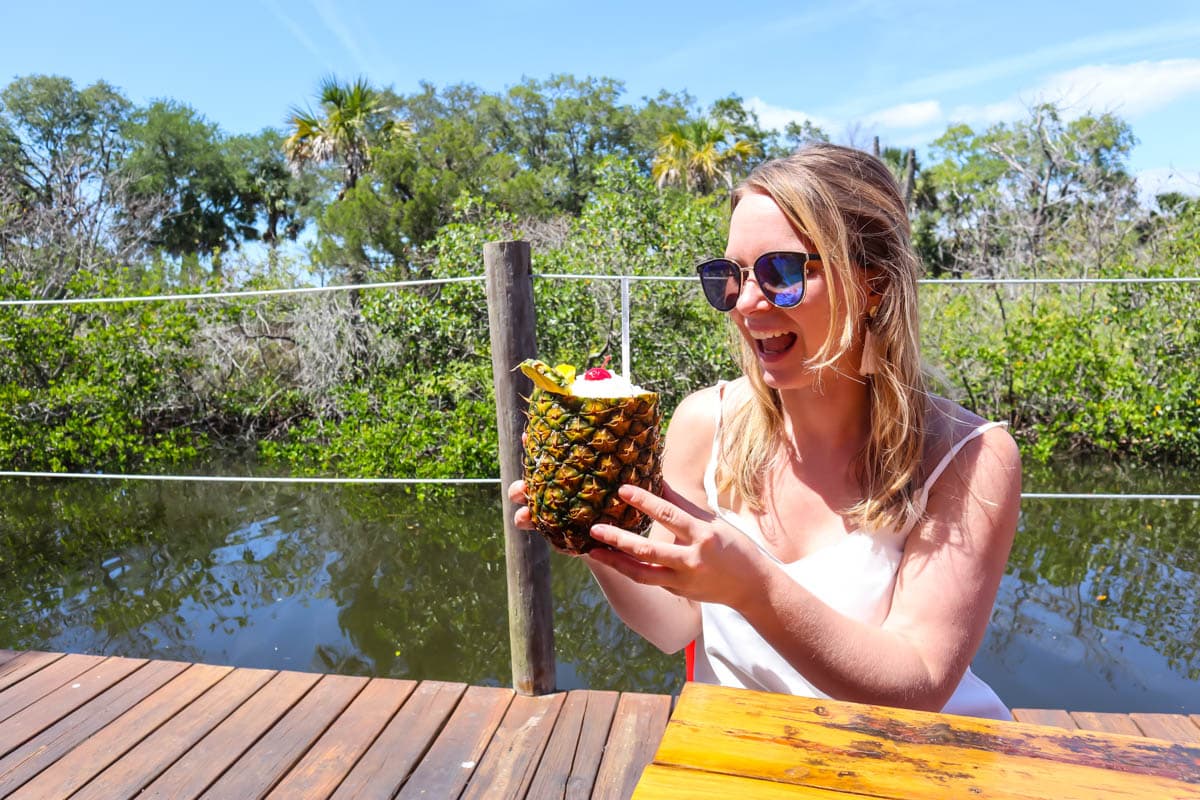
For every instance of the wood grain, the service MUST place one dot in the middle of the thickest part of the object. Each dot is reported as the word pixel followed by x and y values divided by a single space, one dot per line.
pixel 593 739
pixel 399 748
pixel 24 664
pixel 107 745
pixel 327 762
pixel 508 765
pixel 262 765
pixel 899 754
pixel 1044 716
pixel 40 677
pixel 671 783
pixel 192 773
pixel 446 768
pixel 1106 722
pixel 154 754
pixel 1172 727
pixel 65 698
pixel 57 742
pixel 636 729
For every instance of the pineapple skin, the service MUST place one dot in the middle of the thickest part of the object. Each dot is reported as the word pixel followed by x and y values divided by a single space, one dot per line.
pixel 578 452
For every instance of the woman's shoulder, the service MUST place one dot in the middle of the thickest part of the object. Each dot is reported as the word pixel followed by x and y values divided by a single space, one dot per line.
pixel 710 403
pixel 950 426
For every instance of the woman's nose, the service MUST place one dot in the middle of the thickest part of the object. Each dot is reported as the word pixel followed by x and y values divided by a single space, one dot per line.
pixel 750 298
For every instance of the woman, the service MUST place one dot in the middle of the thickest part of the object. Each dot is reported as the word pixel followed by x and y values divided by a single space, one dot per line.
pixel 827 527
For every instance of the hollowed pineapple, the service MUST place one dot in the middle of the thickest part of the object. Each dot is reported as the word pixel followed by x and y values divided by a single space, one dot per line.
pixel 580 449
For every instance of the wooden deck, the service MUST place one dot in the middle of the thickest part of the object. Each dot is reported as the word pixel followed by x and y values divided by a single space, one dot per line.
pixel 1179 728
pixel 85 726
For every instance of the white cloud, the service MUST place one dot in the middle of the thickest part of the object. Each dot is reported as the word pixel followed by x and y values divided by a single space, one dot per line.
pixel 1126 89
pixel 1153 182
pixel 296 31
pixel 906 115
pixel 777 117
pixel 989 113
pixel 1087 47
pixel 328 13
pixel 731 35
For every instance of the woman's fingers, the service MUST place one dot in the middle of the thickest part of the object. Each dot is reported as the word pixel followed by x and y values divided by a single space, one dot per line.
pixel 516 491
pixel 523 519
pixel 673 511
pixel 633 568
pixel 647 551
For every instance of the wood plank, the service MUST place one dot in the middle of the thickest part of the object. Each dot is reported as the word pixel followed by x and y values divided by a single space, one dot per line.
pixel 1172 727
pixel 52 707
pixel 329 761
pixel 597 723
pixel 81 764
pixel 52 744
pixel 670 783
pixel 507 767
pixel 7 655
pixel 388 762
pixel 903 754
pixel 1106 722
pixel 37 683
pixel 192 773
pixel 450 761
pixel 636 731
pixel 24 664
pixel 1045 716
pixel 554 767
pixel 272 756
pixel 147 760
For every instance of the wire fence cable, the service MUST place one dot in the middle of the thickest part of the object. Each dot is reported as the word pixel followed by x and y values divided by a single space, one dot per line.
pixel 114 476
pixel 158 298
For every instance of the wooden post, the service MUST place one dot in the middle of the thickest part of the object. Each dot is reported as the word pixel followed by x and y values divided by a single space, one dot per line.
pixel 511 323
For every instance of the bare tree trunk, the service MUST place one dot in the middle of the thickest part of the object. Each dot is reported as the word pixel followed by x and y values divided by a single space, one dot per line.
pixel 910 176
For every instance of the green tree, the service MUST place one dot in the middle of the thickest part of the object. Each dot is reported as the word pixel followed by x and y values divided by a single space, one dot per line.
pixel 353 117
pixel 561 129
pixel 65 204
pixel 179 156
pixel 1009 197
pixel 701 155
pixel 282 197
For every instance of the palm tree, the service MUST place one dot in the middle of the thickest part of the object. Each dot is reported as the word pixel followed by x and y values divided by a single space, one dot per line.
pixel 352 116
pixel 700 155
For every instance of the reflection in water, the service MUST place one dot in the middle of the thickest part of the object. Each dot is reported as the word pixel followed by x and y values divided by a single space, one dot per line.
pixel 1098 611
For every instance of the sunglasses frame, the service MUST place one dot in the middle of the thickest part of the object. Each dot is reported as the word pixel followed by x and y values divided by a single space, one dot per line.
pixel 742 272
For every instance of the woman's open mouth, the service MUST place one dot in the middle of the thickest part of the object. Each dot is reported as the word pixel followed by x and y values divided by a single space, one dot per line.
pixel 773 345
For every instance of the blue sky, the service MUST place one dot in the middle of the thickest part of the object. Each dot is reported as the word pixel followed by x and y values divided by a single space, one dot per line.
pixel 901 70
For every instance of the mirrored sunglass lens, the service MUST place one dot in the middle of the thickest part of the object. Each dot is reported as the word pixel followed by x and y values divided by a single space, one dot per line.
pixel 781 277
pixel 719 280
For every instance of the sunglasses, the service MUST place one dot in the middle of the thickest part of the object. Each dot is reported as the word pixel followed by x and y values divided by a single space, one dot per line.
pixel 780 276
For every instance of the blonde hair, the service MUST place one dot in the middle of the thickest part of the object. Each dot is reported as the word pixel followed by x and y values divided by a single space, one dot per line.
pixel 848 205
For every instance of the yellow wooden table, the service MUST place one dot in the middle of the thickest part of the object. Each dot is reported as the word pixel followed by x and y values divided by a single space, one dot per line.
pixel 733 743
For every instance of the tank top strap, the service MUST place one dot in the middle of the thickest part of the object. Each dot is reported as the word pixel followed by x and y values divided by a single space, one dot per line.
pixel 923 494
pixel 710 471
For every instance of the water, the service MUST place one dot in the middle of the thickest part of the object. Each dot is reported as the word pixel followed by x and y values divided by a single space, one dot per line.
pixel 1098 611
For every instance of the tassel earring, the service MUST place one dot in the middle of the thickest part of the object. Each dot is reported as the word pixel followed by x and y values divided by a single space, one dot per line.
pixel 870 353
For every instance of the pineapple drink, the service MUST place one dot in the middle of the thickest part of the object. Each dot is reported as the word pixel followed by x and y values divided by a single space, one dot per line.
pixel 586 437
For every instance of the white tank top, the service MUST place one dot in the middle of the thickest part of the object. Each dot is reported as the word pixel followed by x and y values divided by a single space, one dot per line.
pixel 855 576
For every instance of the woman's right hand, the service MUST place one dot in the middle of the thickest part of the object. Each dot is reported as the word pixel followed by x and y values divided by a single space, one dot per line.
pixel 516 493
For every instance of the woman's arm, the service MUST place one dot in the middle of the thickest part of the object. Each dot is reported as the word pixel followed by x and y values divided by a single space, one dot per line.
pixel 947 582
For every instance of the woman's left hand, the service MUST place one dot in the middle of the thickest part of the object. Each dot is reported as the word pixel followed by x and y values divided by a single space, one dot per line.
pixel 709 560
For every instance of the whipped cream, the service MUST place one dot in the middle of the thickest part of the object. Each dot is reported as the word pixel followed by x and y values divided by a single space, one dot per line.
pixel 616 386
